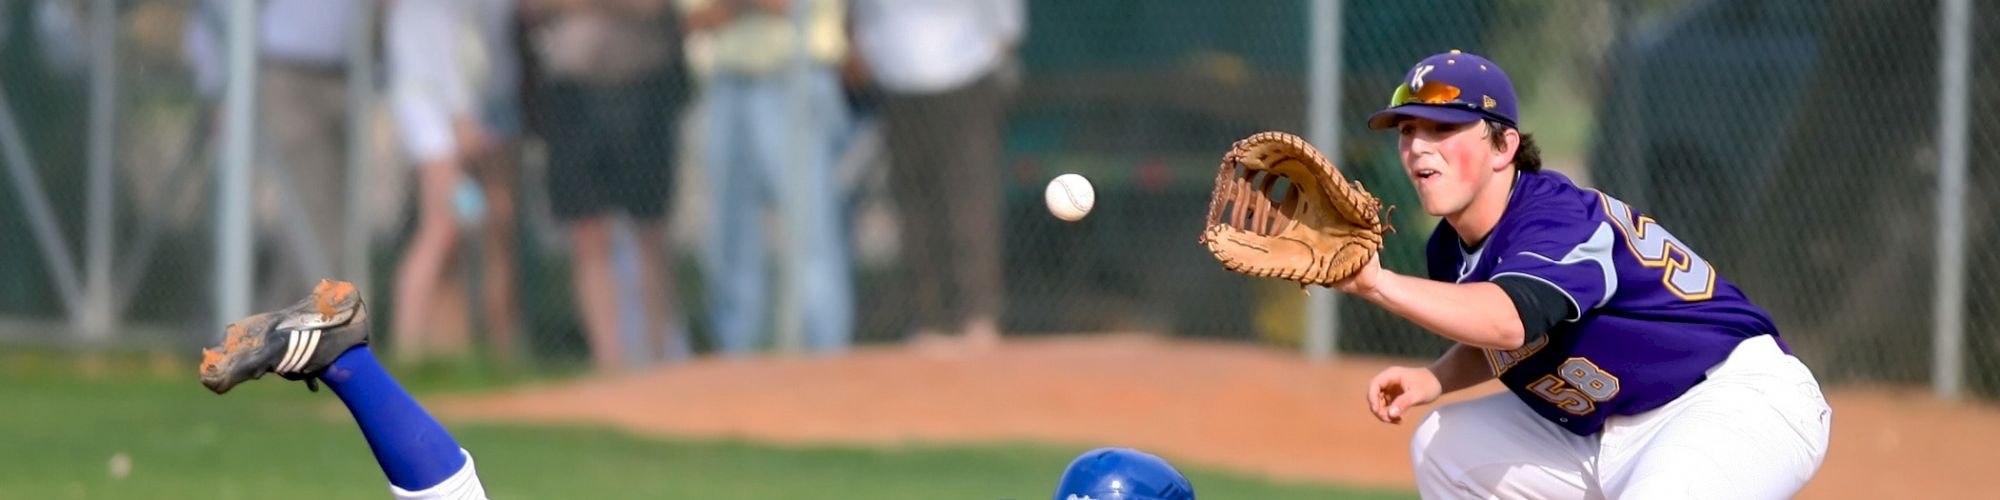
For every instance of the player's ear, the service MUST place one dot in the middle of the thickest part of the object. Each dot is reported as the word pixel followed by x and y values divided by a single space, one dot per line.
pixel 1506 141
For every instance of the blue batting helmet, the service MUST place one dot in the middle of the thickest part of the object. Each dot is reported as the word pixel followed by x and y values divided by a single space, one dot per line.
pixel 1122 474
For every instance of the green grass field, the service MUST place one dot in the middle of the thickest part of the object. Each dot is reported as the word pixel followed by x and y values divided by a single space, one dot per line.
pixel 59 430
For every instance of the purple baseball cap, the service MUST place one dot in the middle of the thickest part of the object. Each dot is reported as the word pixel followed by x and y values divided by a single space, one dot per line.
pixel 1453 87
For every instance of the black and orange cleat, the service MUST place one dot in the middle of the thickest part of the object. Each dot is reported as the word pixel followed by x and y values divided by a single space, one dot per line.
pixel 296 342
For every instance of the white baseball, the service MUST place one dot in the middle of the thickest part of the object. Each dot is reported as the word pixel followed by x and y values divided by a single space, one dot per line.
pixel 1069 197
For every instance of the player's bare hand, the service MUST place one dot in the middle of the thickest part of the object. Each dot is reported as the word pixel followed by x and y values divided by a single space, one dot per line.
pixel 1394 391
pixel 1364 281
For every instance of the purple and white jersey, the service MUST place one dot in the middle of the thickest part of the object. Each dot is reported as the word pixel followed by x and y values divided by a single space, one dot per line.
pixel 1651 317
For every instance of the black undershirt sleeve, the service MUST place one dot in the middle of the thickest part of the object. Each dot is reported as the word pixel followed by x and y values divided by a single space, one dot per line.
pixel 1540 304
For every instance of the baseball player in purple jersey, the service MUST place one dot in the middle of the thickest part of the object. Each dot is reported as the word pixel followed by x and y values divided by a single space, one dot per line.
pixel 1633 369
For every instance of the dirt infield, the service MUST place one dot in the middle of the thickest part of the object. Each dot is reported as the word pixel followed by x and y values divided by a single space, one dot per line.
pixel 1229 406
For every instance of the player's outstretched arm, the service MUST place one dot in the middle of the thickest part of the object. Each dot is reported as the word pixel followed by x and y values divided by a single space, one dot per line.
pixel 1460 367
pixel 1398 388
pixel 1477 314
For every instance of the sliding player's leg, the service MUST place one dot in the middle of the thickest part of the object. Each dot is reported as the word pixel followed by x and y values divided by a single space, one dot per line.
pixel 324 338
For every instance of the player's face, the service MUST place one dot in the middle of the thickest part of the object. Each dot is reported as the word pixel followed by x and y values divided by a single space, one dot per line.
pixel 1448 163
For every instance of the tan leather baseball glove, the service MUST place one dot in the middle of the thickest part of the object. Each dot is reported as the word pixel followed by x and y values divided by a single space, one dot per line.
pixel 1281 210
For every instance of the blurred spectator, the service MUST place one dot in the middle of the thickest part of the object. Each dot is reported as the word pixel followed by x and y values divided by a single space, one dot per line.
pixel 756 156
pixel 945 69
pixel 302 116
pixel 454 85
pixel 612 82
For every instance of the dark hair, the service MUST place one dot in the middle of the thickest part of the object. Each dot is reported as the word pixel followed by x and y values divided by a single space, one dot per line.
pixel 1527 158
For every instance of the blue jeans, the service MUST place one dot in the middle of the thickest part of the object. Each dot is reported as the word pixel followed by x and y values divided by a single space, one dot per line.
pixel 754 161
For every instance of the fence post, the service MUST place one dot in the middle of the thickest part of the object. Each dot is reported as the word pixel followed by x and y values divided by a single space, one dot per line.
pixel 360 99
pixel 1323 94
pixel 1954 64
pixel 94 321
pixel 232 203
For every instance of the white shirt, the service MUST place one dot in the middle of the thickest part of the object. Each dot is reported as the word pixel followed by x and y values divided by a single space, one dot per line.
pixel 458 52
pixel 300 31
pixel 306 31
pixel 933 46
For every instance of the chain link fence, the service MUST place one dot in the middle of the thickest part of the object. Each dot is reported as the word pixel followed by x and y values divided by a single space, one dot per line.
pixel 1794 144
pixel 70 115
pixel 1800 146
